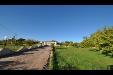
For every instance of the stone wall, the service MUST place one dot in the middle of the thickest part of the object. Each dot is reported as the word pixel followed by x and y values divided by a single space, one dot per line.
pixel 22 49
pixel 30 47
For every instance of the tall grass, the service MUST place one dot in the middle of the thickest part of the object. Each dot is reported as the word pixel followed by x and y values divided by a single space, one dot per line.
pixel 81 59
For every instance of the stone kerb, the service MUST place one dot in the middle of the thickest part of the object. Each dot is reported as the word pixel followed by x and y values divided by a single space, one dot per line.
pixel 30 47
pixel 34 47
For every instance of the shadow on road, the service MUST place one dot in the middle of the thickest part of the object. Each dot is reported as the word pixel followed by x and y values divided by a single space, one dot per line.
pixel 4 65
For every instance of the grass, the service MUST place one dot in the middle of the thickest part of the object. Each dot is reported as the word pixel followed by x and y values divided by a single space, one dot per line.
pixel 81 59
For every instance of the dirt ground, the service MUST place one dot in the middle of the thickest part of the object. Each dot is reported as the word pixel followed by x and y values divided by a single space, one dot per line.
pixel 35 59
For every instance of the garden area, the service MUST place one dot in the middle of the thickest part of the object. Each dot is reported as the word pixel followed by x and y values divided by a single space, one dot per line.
pixel 72 58
pixel 93 53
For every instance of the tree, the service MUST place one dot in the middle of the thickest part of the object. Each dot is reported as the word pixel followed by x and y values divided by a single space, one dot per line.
pixel 101 39
pixel 87 42
pixel 20 41
pixel 30 42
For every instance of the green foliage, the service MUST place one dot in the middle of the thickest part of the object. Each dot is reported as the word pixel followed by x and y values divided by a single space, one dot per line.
pixel 86 43
pixel 30 42
pixel 19 41
pixel 70 43
pixel 14 44
pixel 102 39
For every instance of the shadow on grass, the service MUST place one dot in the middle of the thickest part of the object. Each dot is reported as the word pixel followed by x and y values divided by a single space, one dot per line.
pixel 55 61
pixel 68 67
pixel 61 48
pixel 93 50
pixel 65 67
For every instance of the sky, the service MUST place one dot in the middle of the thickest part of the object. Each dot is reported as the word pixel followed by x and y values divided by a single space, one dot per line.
pixel 54 22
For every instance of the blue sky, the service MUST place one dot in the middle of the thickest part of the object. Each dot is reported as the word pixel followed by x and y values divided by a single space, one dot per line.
pixel 57 22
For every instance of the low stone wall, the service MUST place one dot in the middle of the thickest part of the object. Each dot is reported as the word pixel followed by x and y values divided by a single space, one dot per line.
pixel 34 47
pixel 22 49
pixel 30 47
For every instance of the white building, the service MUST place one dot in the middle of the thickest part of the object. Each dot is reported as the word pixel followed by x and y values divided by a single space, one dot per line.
pixel 49 43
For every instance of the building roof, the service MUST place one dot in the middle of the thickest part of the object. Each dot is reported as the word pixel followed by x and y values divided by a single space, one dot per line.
pixel 50 41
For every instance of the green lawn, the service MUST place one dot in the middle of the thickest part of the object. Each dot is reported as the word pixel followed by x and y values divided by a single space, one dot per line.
pixel 81 59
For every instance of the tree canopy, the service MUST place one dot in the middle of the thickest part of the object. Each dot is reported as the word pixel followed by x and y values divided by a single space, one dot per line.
pixel 100 39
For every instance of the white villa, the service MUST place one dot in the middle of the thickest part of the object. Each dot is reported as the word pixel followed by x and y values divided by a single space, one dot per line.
pixel 49 43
